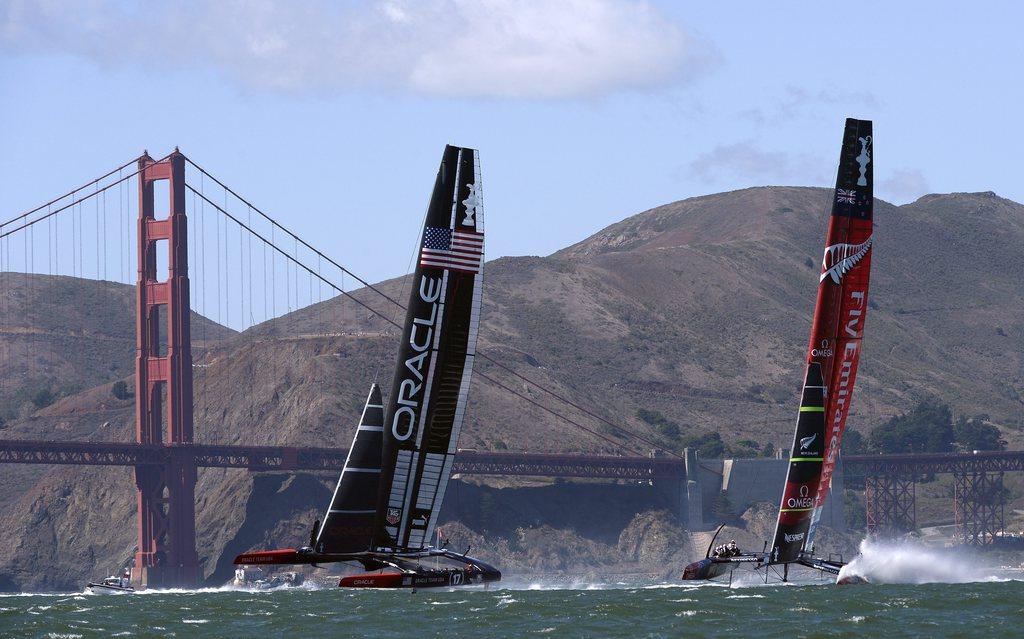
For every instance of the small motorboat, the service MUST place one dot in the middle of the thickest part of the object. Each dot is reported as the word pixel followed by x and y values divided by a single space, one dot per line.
pixel 112 584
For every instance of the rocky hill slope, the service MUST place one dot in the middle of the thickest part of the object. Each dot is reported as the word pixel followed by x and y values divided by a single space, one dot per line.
pixel 699 309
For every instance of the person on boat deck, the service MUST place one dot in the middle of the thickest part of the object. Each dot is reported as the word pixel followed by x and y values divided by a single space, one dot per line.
pixel 732 549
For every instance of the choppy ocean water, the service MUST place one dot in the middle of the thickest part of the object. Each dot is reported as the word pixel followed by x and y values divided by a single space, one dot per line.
pixel 985 609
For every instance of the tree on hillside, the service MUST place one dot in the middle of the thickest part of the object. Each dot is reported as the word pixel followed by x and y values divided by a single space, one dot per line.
pixel 928 428
pixel 977 434
pixel 708 445
pixel 745 448
pixel 43 397
pixel 853 442
pixel 120 390
pixel 655 418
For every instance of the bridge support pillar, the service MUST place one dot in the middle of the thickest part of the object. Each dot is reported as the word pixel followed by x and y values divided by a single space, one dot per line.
pixel 891 505
pixel 166 554
pixel 694 519
pixel 978 507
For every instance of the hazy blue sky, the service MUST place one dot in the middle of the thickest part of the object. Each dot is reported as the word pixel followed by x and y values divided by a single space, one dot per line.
pixel 333 116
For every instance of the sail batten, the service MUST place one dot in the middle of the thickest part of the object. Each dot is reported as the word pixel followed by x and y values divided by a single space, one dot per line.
pixel 348 524
pixel 834 349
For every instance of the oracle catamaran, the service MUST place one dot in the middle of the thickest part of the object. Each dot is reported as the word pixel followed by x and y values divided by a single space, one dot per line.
pixel 385 507
pixel 832 357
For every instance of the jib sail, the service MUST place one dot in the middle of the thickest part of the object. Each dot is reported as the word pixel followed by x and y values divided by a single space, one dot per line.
pixel 348 524
pixel 834 347
pixel 428 398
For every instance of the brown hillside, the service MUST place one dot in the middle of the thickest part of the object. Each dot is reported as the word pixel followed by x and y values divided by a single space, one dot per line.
pixel 65 334
pixel 699 309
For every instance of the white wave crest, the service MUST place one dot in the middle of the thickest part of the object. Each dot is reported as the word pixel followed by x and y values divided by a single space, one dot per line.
pixel 908 562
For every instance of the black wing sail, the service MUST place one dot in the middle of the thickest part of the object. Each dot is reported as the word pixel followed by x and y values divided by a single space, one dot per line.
pixel 427 403
pixel 348 523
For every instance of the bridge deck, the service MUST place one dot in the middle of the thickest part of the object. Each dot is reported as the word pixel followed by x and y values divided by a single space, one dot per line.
pixel 269 458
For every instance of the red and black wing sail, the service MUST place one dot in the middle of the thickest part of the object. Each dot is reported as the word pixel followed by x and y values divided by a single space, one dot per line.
pixel 834 348
pixel 348 524
pixel 427 404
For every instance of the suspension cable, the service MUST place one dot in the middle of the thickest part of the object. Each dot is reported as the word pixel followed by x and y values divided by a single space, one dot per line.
pixel 293 235
pixel 489 359
pixel 69 193
pixel 50 214
pixel 376 290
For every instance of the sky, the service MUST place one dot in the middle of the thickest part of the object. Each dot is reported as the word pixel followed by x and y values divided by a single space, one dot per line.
pixel 332 116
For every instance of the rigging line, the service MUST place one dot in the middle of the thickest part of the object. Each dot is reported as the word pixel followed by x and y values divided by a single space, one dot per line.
pixel 396 325
pixel 69 193
pixel 297 238
pixel 80 200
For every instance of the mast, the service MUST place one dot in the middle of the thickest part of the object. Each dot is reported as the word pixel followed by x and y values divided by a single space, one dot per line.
pixel 427 404
pixel 834 348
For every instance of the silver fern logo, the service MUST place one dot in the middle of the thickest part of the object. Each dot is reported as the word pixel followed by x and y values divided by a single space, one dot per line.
pixel 840 258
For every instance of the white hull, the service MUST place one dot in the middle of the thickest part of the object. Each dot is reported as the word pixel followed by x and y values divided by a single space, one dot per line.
pixel 102 589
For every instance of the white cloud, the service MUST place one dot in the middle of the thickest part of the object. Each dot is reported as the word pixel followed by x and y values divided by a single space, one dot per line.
pixel 528 49
pixel 744 162
pixel 903 185
pixel 794 102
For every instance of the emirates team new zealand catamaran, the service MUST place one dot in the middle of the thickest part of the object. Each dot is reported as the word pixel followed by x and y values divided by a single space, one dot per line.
pixel 832 357
pixel 384 510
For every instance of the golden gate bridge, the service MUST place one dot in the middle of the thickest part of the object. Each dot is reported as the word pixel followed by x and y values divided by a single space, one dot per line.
pixel 165 456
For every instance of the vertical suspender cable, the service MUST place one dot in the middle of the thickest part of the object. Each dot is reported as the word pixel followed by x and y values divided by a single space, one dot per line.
pixel 227 270
pixel 216 221
pixel 252 319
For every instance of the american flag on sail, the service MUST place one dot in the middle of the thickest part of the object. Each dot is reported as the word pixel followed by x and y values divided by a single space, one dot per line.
pixel 456 250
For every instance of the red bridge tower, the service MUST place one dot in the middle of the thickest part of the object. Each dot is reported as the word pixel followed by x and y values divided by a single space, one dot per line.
pixel 166 555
